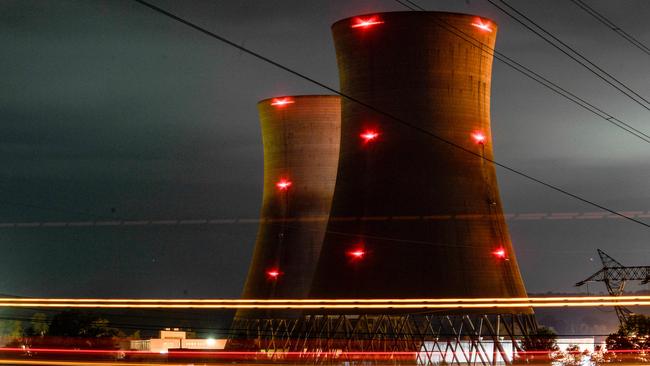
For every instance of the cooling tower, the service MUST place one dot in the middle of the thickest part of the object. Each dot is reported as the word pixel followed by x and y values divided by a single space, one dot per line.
pixel 301 136
pixel 412 215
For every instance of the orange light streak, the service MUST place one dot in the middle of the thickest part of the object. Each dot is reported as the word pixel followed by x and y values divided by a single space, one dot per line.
pixel 339 303
pixel 446 300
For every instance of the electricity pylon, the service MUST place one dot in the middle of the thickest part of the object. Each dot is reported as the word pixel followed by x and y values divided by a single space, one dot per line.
pixel 615 276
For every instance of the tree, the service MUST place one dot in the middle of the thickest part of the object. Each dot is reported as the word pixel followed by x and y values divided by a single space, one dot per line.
pixel 11 330
pixel 73 328
pixel 135 335
pixel 100 328
pixel 631 335
pixel 543 340
pixel 76 324
pixel 38 326
pixel 540 346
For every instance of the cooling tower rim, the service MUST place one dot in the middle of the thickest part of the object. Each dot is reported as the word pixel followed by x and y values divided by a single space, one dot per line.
pixel 300 96
pixel 412 13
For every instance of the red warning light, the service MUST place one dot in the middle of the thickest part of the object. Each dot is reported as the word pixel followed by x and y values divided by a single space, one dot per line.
pixel 500 253
pixel 357 253
pixel 283 184
pixel 273 274
pixel 484 26
pixel 367 22
pixel 280 102
pixel 369 135
pixel 478 137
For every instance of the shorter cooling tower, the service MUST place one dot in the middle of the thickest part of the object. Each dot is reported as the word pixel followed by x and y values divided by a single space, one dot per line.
pixel 301 136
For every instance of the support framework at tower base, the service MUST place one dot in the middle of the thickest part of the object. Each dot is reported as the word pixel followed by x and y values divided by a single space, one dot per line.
pixel 476 339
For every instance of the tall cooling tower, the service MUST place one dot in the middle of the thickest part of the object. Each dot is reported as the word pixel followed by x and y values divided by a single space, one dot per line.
pixel 301 136
pixel 413 216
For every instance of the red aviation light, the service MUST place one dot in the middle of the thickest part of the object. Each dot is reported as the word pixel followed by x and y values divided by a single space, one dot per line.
pixel 484 26
pixel 273 274
pixel 500 253
pixel 283 184
pixel 357 253
pixel 367 22
pixel 369 135
pixel 479 137
pixel 281 102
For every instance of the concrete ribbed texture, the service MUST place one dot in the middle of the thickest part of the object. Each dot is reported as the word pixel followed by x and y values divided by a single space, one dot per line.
pixel 411 68
pixel 301 145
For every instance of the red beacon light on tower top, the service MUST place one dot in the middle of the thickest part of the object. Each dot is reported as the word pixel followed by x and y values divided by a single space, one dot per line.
pixel 366 22
pixel 484 26
pixel 281 102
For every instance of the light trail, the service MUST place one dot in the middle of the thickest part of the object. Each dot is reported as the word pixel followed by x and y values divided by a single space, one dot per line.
pixel 78 363
pixel 251 353
pixel 220 358
pixel 325 301
pixel 200 352
pixel 330 306
pixel 454 303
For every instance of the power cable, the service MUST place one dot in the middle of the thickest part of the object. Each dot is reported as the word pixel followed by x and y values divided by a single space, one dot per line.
pixel 386 114
pixel 554 87
pixel 573 54
pixel 405 4
pixel 609 24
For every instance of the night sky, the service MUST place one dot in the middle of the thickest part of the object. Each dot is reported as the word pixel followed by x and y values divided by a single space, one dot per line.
pixel 110 111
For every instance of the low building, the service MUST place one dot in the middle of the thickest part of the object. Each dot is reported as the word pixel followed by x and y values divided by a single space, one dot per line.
pixel 176 339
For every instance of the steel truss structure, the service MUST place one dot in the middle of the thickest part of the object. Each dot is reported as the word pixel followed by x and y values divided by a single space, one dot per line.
pixel 424 339
pixel 615 276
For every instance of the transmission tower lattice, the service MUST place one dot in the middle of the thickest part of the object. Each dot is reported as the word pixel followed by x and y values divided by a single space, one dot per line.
pixel 615 276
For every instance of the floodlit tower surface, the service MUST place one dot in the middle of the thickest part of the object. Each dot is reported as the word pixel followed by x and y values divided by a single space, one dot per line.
pixel 427 215
pixel 301 136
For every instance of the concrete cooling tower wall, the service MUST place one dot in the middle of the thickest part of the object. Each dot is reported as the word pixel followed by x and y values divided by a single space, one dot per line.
pixel 301 137
pixel 413 216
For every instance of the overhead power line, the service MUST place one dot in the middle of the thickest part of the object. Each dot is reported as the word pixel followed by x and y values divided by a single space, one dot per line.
pixel 609 24
pixel 572 53
pixel 526 71
pixel 386 114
